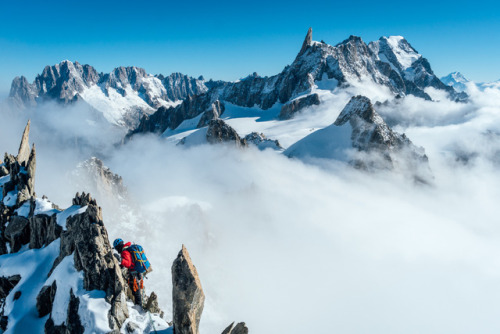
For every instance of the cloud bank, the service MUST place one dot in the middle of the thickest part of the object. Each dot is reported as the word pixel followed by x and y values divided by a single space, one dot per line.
pixel 290 247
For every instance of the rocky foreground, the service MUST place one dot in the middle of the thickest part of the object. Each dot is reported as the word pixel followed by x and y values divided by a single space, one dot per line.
pixel 58 273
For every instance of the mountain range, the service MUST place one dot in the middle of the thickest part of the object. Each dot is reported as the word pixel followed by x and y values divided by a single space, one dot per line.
pixel 128 94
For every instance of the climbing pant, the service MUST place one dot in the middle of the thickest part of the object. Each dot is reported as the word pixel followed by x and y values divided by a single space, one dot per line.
pixel 136 284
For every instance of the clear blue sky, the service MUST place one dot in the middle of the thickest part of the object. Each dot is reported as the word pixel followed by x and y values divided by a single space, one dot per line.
pixel 230 39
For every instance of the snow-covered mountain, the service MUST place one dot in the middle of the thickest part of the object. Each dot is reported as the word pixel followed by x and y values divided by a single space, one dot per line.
pixel 390 62
pixel 360 136
pixel 456 80
pixel 461 84
pixel 122 96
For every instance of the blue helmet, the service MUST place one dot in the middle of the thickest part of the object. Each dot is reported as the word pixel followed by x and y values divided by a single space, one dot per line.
pixel 117 242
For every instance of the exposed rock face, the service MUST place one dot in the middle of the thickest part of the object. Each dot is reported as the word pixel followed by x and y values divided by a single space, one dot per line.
pixel 213 113
pixel 86 239
pixel 7 284
pixel 371 134
pixel 17 232
pixel 291 108
pixel 70 82
pixel 219 132
pixel 262 142
pixel 180 86
pixel 390 61
pixel 187 294
pixel 361 136
pixel 240 328
pixel 170 118
pixel 43 230
pixel 24 148
pixel 307 42
pixel 45 299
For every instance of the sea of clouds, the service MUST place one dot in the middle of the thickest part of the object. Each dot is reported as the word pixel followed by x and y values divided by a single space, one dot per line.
pixel 291 247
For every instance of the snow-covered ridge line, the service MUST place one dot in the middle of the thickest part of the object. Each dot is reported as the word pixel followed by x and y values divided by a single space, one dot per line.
pixel 118 95
pixel 390 63
pixel 58 273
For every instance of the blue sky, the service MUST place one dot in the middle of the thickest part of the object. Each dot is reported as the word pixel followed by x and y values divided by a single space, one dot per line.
pixel 230 39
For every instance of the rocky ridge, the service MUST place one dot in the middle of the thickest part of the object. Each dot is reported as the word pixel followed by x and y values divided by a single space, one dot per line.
pixel 129 91
pixel 391 62
pixel 57 258
pixel 362 137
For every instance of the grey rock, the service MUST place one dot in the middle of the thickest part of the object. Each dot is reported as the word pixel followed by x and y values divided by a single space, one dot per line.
pixel 179 86
pixel 288 110
pixel 44 230
pixel 66 82
pixel 371 134
pixel 45 299
pixel 220 132
pixel 87 240
pixel 24 148
pixel 187 295
pixel 7 284
pixel 152 304
pixel 170 118
pixel 240 328
pixel 131 327
pixel 307 42
pixel 17 232
pixel 262 142
pixel 214 112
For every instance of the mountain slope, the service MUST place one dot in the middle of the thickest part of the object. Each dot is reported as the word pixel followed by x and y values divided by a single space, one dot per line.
pixel 122 96
pixel 360 136
pixel 390 62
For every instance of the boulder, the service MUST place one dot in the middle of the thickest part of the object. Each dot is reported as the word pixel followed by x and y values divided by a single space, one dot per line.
pixel 187 295
pixel 45 299
pixel 17 232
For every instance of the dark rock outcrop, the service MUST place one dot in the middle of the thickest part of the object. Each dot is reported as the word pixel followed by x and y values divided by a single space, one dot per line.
pixel 289 109
pixel 220 132
pixel 240 328
pixel 17 233
pixel 213 113
pixel 45 299
pixel 87 240
pixel 44 229
pixel 7 284
pixel 24 148
pixel 170 118
pixel 187 295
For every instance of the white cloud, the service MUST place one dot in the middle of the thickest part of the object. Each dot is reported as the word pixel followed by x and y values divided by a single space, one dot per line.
pixel 289 247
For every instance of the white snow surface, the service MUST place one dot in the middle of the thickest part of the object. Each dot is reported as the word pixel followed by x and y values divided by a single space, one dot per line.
pixel 69 212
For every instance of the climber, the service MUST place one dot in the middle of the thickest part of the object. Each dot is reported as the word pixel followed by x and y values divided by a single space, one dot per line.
pixel 134 259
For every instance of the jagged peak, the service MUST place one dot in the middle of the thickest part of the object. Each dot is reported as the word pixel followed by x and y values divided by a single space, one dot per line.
pixel 358 105
pixel 24 148
pixel 351 39
pixel 307 41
